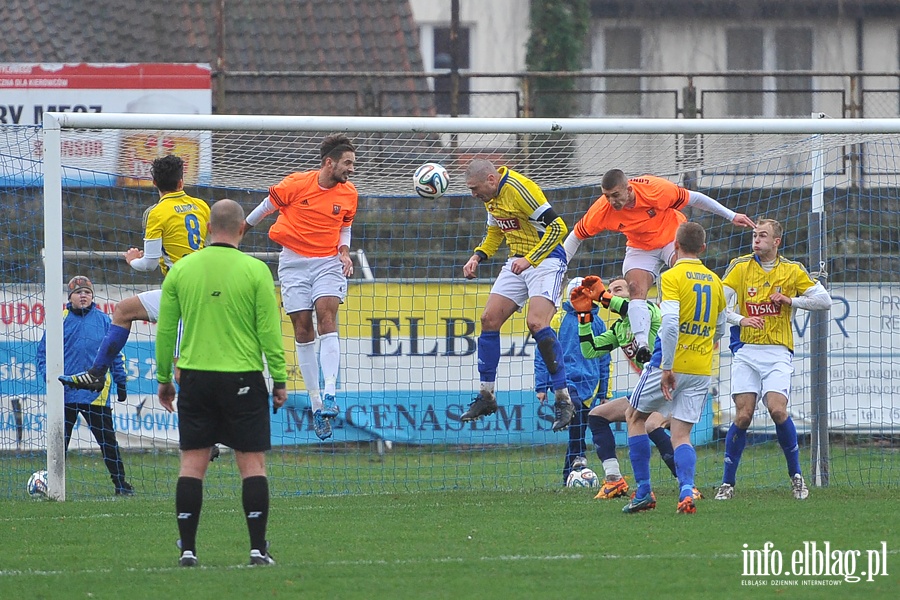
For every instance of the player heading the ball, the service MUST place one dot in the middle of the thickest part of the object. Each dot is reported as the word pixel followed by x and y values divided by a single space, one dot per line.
pixel 518 212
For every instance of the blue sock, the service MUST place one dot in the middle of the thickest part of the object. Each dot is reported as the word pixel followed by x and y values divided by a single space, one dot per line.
pixel 602 436
pixel 735 440
pixel 577 428
pixel 109 349
pixel 686 465
pixel 663 443
pixel 576 446
pixel 787 438
pixel 552 353
pixel 488 355
pixel 639 451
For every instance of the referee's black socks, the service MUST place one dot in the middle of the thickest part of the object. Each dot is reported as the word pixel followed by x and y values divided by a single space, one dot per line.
pixel 255 496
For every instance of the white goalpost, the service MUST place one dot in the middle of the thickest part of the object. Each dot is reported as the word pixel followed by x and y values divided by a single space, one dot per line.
pixel 407 334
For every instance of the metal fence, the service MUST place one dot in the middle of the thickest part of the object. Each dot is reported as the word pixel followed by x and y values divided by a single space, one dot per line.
pixel 624 94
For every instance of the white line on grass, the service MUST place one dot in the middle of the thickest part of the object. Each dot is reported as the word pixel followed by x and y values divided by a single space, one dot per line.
pixel 402 562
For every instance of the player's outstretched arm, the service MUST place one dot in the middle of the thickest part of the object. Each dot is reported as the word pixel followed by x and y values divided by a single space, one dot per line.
pixel 704 202
pixel 264 208
pixel 571 244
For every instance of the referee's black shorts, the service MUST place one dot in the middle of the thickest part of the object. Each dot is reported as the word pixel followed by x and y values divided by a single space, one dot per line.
pixel 226 408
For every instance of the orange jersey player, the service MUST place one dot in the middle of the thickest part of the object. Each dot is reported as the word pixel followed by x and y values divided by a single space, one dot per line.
pixel 315 213
pixel 647 209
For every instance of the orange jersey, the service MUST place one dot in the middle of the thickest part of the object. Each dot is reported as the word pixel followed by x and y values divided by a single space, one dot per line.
pixel 649 224
pixel 310 217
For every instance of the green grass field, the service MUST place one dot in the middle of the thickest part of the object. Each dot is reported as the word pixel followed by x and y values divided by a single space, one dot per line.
pixel 393 539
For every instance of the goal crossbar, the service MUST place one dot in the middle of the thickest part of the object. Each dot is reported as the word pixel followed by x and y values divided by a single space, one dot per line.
pixel 818 124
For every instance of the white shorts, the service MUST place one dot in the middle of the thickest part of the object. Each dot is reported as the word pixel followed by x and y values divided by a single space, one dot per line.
pixel 760 369
pixel 304 280
pixel 544 280
pixel 691 392
pixel 651 261
pixel 150 302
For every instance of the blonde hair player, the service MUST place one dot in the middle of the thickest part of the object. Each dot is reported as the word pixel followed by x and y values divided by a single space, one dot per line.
pixel 762 289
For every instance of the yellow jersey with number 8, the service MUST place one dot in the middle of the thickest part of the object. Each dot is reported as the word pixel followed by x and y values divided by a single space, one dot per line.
pixel 180 221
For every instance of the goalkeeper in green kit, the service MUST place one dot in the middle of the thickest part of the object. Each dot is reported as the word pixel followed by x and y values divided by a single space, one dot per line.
pixel 619 335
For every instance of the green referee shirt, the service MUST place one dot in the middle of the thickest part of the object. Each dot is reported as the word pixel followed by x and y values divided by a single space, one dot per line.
pixel 226 300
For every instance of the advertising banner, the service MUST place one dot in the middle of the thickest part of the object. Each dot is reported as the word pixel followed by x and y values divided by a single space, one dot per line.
pixel 102 158
pixel 409 370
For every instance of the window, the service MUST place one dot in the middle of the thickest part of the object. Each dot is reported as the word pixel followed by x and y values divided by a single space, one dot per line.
pixel 793 52
pixel 744 52
pixel 437 56
pixel 622 51
pixel 758 49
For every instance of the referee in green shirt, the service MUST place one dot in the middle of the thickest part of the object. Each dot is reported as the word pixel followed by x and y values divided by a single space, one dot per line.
pixel 226 302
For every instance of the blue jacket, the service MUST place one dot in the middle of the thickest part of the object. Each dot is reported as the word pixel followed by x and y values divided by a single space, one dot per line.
pixel 83 330
pixel 588 377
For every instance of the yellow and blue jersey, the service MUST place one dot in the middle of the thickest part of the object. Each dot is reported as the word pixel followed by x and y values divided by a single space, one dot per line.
pixel 515 215
pixel 754 287
pixel 180 221
pixel 701 299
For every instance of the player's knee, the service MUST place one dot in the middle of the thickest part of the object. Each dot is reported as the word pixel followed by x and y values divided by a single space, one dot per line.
pixel 779 414
pixel 534 325
pixel 743 420
pixel 489 322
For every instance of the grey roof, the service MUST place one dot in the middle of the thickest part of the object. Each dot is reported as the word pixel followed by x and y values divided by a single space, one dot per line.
pixel 259 35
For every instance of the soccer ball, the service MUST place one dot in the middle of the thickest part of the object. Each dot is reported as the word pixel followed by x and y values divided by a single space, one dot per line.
pixel 431 180
pixel 37 484
pixel 582 478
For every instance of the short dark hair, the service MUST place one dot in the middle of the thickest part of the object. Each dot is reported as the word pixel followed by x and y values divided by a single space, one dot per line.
pixel 167 171
pixel 613 178
pixel 334 146
pixel 691 237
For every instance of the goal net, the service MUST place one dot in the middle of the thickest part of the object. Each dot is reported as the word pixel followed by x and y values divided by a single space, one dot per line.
pixel 75 192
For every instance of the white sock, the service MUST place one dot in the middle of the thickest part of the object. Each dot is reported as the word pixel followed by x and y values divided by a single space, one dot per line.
pixel 330 357
pixel 487 386
pixel 611 466
pixel 639 315
pixel 309 368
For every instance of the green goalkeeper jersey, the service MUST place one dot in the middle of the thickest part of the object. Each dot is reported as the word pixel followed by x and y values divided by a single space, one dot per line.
pixel 619 334
pixel 226 301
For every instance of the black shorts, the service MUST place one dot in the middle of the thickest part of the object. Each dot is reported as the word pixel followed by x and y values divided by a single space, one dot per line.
pixel 227 408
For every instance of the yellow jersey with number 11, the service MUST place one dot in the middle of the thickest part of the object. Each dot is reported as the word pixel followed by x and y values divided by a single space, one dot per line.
pixel 701 299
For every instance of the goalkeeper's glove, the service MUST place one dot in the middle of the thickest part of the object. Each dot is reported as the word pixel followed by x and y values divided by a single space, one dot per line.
pixel 121 392
pixel 599 293
pixel 582 303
